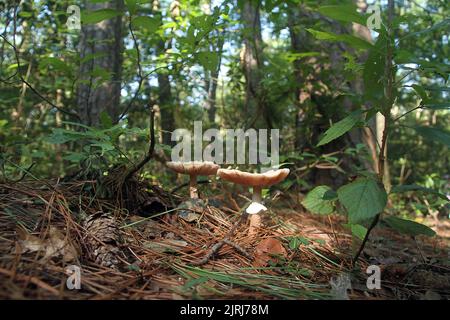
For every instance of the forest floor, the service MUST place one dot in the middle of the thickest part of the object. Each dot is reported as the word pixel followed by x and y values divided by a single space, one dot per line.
pixel 297 255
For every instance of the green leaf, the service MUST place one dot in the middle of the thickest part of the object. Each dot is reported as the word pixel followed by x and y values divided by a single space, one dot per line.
pixel 194 282
pixel 434 134
pixel 436 26
pixel 100 73
pixel 345 13
pixel 91 56
pixel 437 106
pixel 341 127
pixel 409 227
pixel 421 92
pixel 98 15
pixel 105 120
pixel 363 199
pixel 131 5
pixel 75 157
pixel 415 187
pixel 353 41
pixel 320 200
pixel 357 230
pixel 209 60
pixel 295 242
pixel 60 136
pixel 25 14
pixel 148 23
pixel 105 146
pixel 373 72
pixel 56 63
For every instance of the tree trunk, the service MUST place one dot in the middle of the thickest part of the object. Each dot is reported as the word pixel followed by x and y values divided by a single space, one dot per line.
pixel 212 82
pixel 251 59
pixel 96 91
pixel 165 98
pixel 299 43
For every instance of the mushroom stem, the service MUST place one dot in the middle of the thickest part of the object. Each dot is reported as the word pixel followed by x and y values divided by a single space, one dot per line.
pixel 193 191
pixel 255 219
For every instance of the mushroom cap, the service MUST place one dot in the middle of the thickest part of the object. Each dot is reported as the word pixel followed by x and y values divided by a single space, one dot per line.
pixel 197 168
pixel 266 179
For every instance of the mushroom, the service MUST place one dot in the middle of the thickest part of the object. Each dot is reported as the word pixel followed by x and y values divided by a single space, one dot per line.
pixel 256 181
pixel 193 169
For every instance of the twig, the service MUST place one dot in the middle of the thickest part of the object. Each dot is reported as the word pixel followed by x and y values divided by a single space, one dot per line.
pixel 238 248
pixel 408 112
pixel 215 248
pixel 25 172
pixel 151 148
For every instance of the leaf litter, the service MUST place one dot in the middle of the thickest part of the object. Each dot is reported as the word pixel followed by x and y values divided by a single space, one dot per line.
pixel 297 255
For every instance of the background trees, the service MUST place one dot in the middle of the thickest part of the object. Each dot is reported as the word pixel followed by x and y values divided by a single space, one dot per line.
pixel 267 64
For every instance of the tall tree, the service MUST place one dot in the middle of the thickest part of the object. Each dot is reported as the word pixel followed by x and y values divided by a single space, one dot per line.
pixel 100 74
pixel 212 79
pixel 165 98
pixel 299 43
pixel 252 62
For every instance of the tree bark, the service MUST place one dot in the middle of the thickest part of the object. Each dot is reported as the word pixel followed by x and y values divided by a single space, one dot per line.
pixel 213 81
pixel 165 97
pixel 252 61
pixel 299 43
pixel 105 38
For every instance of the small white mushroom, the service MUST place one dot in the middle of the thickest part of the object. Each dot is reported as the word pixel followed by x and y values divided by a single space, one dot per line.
pixel 257 181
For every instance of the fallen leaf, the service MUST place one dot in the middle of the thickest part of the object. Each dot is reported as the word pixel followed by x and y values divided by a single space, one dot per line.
pixel 268 250
pixel 54 245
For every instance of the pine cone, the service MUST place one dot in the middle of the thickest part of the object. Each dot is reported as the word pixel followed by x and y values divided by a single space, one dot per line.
pixel 102 238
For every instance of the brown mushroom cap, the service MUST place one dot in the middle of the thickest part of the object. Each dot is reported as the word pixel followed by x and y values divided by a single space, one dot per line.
pixel 254 179
pixel 197 168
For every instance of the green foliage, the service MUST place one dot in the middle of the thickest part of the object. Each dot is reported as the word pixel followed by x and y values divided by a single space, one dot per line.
pixel 414 187
pixel 409 227
pixel 346 13
pixel 330 76
pixel 434 134
pixel 98 15
pixel 363 199
pixel 209 60
pixel 340 128
pixel 357 230
pixel 295 242
pixel 353 41
pixel 320 200
pixel 150 24
pixel 96 142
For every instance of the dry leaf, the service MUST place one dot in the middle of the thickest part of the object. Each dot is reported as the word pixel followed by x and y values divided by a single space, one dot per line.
pixel 54 245
pixel 268 250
